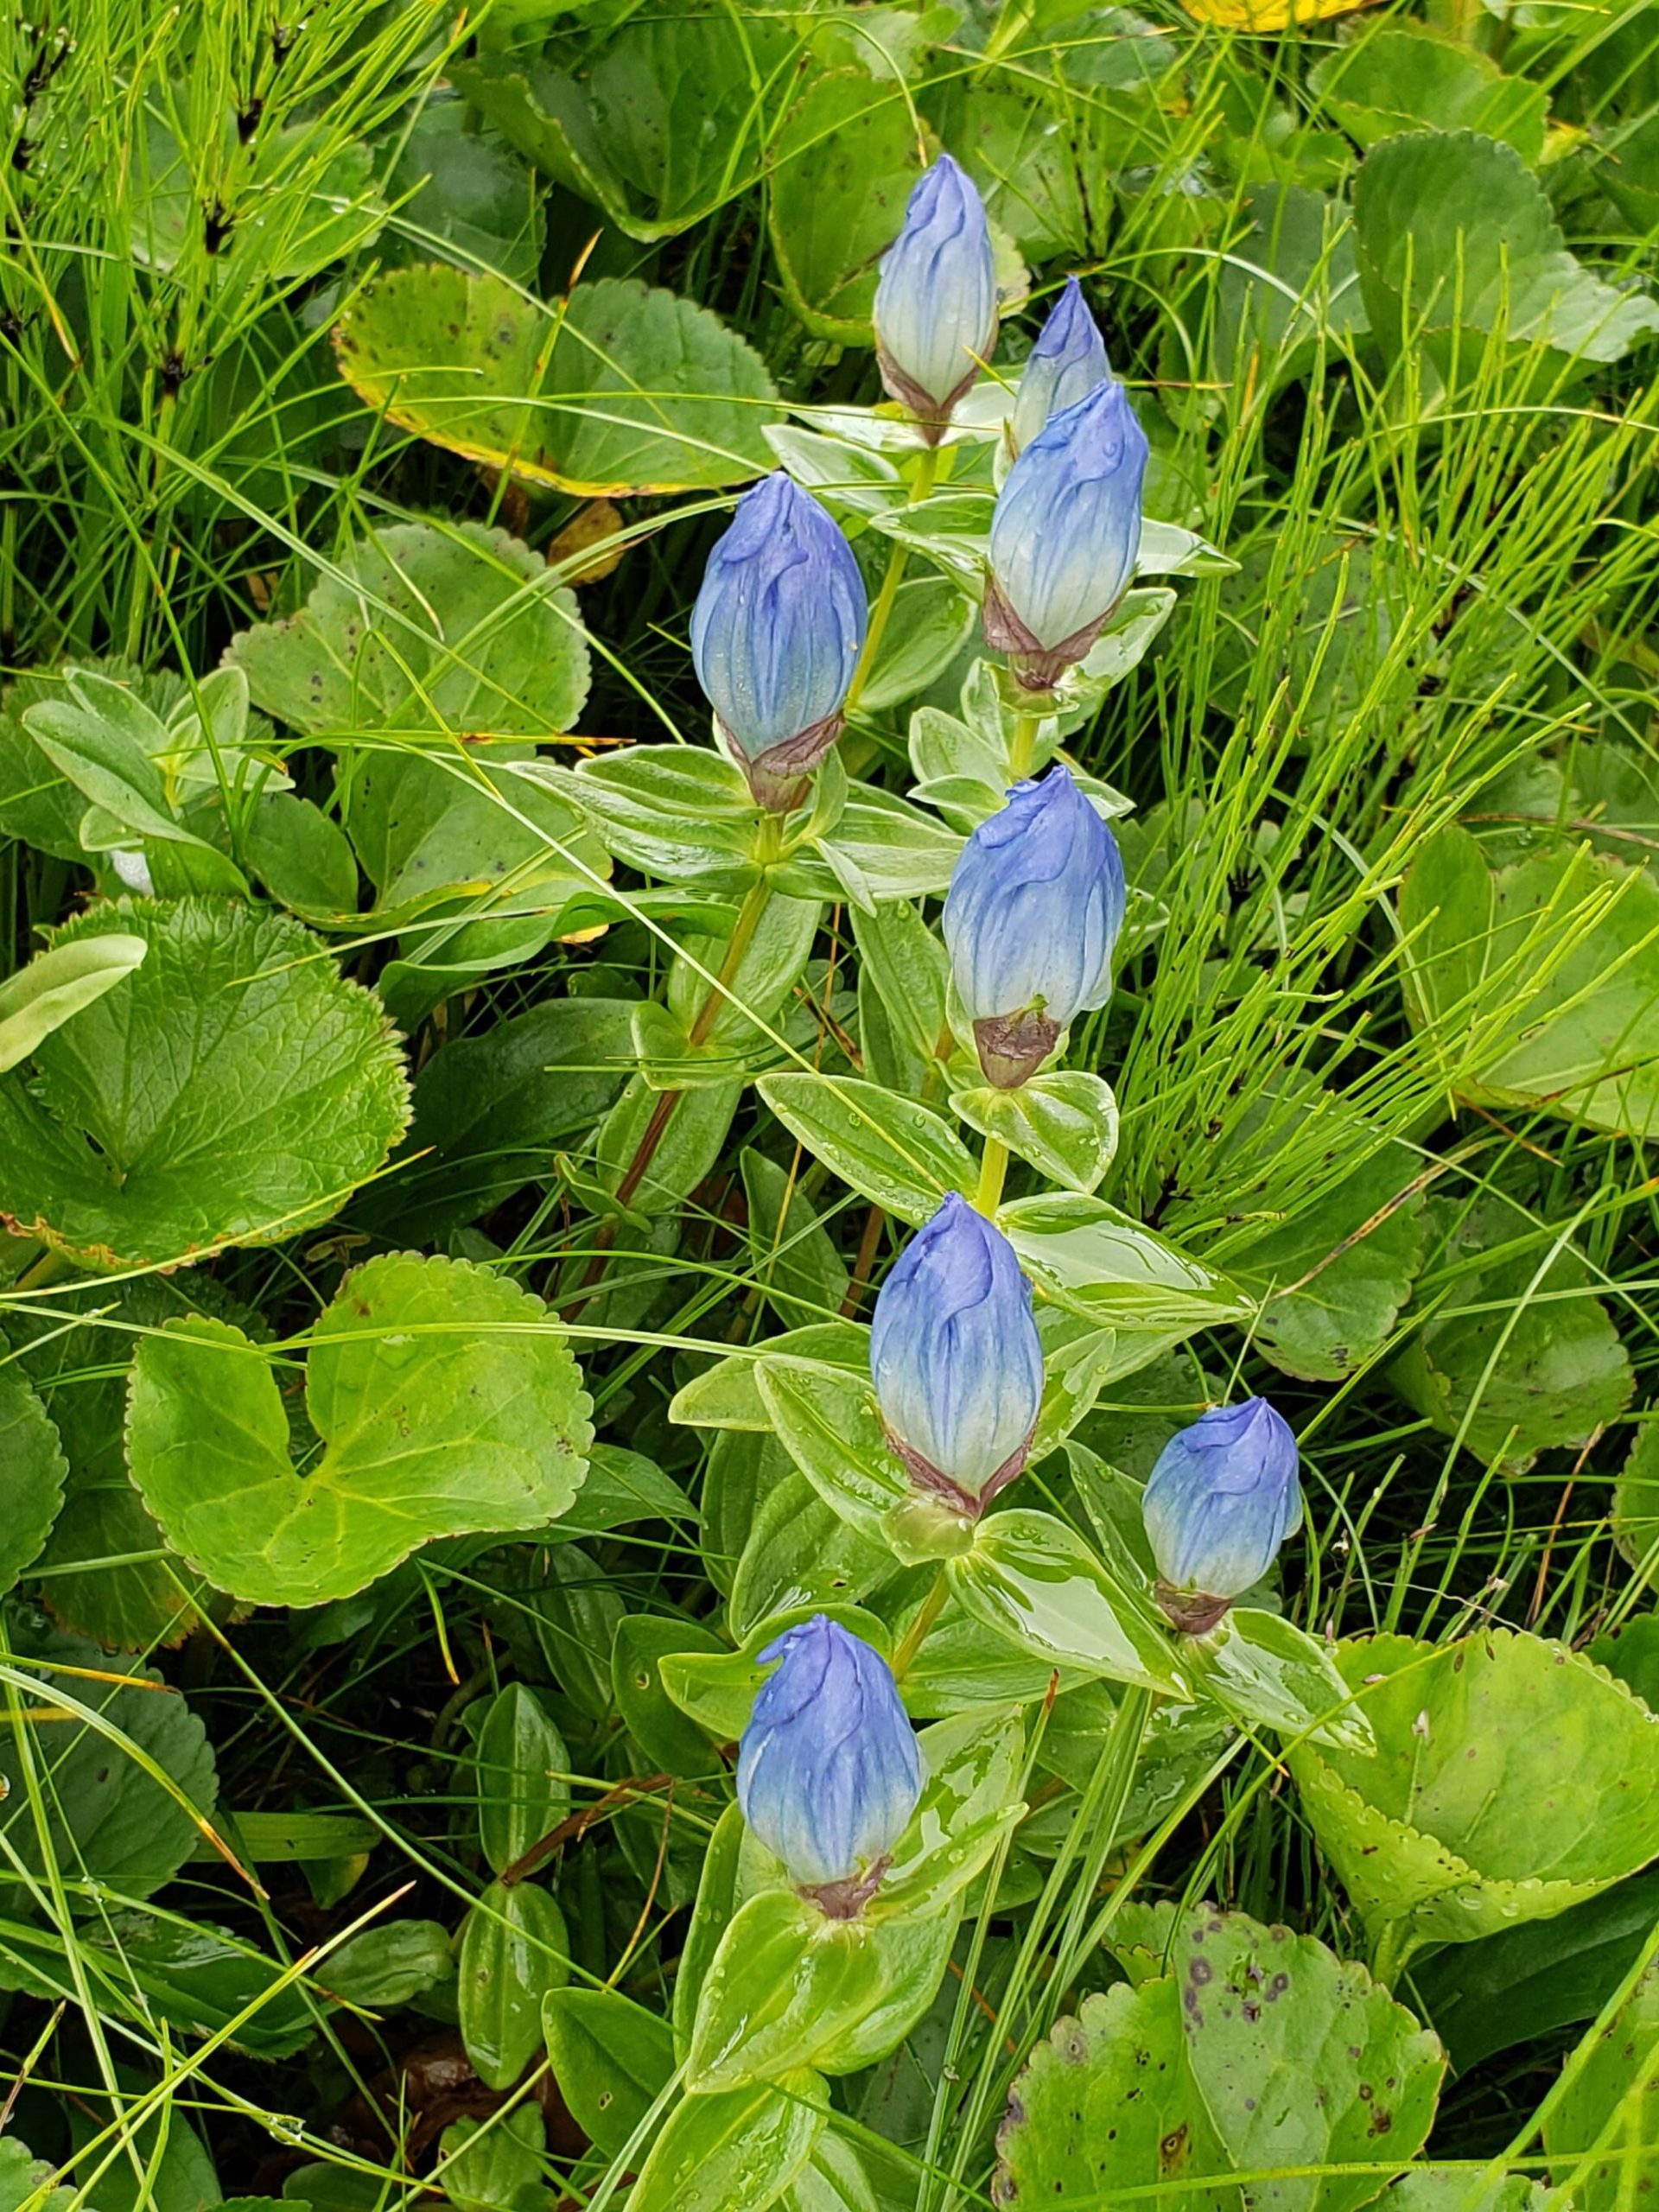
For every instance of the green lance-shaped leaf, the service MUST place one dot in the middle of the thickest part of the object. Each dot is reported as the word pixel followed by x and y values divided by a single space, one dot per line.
pixel 446 1400
pixel 234 1091
pixel 894 1151
pixel 1174 2084
pixel 515 1950
pixel 524 1776
pixel 610 2058
pixel 1511 1779
pixel 1265 1671
pixel 1063 1123
pixel 619 389
pixel 131 1773
pixel 1034 1583
pixel 56 985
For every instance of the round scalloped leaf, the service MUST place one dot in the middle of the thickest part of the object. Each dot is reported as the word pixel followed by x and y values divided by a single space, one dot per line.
pixel 1537 985
pixel 448 1402
pixel 846 162
pixel 32 1468
pixel 660 126
pixel 623 388
pixel 235 1090
pixel 1455 235
pixel 1511 1779
pixel 1184 2075
pixel 456 628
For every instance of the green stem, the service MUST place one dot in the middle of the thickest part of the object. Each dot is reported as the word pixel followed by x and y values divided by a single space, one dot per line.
pixel 931 1606
pixel 50 1268
pixel 921 483
pixel 993 1171
pixel 755 901
pixel 1024 743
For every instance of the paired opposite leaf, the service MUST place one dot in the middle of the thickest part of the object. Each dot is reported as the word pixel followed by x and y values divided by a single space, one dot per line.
pixel 621 388
pixel 446 1400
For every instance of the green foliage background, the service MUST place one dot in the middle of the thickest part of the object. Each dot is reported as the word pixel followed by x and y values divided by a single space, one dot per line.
pixel 375 379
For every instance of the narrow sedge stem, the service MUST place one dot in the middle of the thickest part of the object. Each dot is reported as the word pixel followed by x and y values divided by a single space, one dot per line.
pixel 992 1170
pixel 914 1637
pixel 898 559
pixel 1024 746
pixel 1122 1757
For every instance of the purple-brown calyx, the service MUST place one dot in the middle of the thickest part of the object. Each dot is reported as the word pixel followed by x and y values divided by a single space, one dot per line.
pixel 926 1477
pixel 846 1899
pixel 779 778
pixel 1034 666
pixel 1194 1612
pixel 1013 1046
pixel 932 415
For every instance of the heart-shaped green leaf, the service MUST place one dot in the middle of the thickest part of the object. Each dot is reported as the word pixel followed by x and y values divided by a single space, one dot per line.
pixel 664 123
pixel 234 1091
pixel 446 1400
pixel 845 164
pixel 622 389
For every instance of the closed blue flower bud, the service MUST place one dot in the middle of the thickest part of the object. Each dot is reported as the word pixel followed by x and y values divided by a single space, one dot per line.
pixel 776 633
pixel 1065 534
pixel 936 301
pixel 1032 918
pixel 955 1358
pixel 1067 362
pixel 1222 1499
pixel 828 1772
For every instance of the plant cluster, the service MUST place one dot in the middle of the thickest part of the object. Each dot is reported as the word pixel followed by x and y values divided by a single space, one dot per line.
pixel 831 1010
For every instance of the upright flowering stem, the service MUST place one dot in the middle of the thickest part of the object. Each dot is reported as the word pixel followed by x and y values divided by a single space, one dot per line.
pixel 916 1635
pixel 748 920
pixel 921 483
pixel 1024 745
pixel 992 1170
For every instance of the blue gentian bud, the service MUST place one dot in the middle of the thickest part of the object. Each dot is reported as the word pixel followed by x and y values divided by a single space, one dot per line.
pixel 1067 362
pixel 1065 534
pixel 955 1358
pixel 1222 1499
pixel 936 302
pixel 828 1771
pixel 776 633
pixel 1032 918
